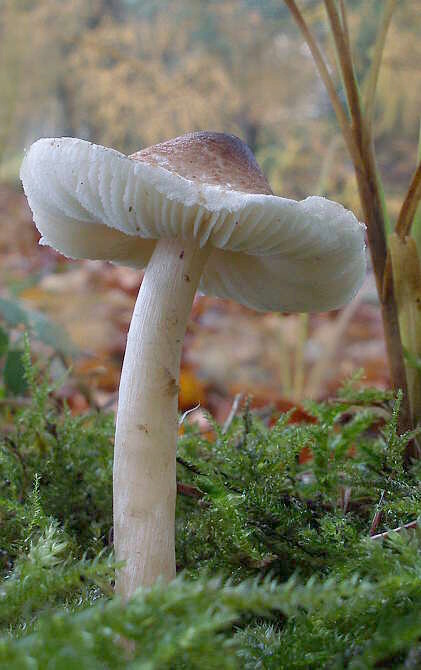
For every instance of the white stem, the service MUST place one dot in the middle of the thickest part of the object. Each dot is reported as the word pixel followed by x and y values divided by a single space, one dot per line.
pixel 146 431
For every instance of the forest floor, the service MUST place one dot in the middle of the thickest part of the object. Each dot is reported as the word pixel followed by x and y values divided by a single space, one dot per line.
pixel 283 539
pixel 277 360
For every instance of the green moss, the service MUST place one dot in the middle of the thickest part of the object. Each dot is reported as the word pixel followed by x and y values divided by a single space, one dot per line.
pixel 299 582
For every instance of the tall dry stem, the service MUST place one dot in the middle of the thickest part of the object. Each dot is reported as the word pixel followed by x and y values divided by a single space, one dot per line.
pixel 356 130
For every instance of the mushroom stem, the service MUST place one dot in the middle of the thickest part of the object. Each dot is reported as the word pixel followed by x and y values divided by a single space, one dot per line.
pixel 146 430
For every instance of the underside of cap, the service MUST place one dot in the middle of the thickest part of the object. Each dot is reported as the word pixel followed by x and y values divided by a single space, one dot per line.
pixel 269 253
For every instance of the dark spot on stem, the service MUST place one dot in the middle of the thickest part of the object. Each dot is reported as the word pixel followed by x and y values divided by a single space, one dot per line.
pixel 130 208
pixel 172 387
pixel 186 277
pixel 142 427
pixel 182 254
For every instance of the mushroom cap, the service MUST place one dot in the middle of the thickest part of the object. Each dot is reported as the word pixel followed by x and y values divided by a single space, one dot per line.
pixel 270 253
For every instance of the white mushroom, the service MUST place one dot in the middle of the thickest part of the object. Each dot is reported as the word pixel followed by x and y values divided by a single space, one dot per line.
pixel 197 212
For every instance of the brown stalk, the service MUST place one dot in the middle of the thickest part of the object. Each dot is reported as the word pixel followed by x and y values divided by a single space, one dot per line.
pixel 368 187
pixel 344 21
pixel 384 536
pixel 360 146
pixel 410 205
pixel 403 224
pixel 347 69
pixel 373 212
pixel 407 286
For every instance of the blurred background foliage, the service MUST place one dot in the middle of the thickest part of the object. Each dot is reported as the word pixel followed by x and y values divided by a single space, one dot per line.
pixel 129 73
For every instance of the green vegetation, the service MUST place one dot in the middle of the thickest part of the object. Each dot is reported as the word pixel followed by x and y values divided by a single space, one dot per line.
pixel 130 73
pixel 277 569
pixel 119 72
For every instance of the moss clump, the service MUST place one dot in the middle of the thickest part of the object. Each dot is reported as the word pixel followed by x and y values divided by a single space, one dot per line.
pixel 299 583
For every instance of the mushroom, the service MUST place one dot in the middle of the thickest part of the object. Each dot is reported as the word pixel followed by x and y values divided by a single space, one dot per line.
pixel 198 213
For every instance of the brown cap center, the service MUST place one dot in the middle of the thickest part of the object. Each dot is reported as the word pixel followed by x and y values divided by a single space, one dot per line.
pixel 209 158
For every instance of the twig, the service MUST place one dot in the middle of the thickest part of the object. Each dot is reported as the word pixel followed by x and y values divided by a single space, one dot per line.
pixel 407 526
pixel 196 471
pixel 234 409
pixel 371 81
pixel 189 466
pixel 186 413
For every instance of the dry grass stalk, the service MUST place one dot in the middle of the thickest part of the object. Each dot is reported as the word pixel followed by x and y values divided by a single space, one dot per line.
pixel 359 141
